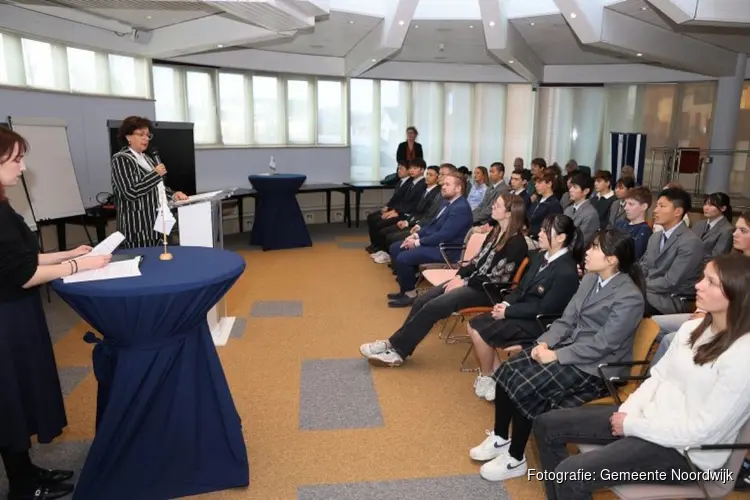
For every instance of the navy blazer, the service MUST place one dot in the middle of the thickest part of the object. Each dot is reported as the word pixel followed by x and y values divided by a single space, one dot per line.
pixel 412 197
pixel 450 226
pixel 399 193
pixel 537 212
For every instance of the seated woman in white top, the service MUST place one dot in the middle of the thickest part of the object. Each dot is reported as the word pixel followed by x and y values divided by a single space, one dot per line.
pixel 699 394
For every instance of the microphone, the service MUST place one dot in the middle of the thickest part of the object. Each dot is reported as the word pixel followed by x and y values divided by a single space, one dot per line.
pixel 155 154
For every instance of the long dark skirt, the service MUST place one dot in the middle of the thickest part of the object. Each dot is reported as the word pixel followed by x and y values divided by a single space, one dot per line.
pixel 537 388
pixel 31 402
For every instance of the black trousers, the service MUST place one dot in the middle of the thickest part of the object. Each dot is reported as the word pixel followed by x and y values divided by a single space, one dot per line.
pixel 18 466
pixel 429 308
pixel 375 224
pixel 505 413
pixel 590 425
pixel 394 234
pixel 382 238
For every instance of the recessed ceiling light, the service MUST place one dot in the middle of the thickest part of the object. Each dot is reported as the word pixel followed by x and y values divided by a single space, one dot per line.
pixel 351 22
pixel 416 26
pixel 374 60
pixel 471 26
pixel 573 15
pixel 639 54
pixel 510 62
pixel 400 23
pixel 220 46
pixel 148 17
pixel 644 8
pixel 492 23
pixel 532 24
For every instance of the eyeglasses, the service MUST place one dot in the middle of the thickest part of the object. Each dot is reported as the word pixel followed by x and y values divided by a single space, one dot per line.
pixel 148 136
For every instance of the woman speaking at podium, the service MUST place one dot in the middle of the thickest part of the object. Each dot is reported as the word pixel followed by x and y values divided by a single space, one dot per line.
pixel 135 181
pixel 31 402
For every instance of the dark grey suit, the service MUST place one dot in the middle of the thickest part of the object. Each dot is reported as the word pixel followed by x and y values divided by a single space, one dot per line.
pixel 585 218
pixel 675 269
pixel 717 241
pixel 598 328
pixel 483 212
pixel 616 213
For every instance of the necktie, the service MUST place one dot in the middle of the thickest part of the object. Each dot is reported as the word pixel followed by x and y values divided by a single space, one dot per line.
pixel 544 265
pixel 706 230
pixel 663 241
pixel 598 287
pixel 575 209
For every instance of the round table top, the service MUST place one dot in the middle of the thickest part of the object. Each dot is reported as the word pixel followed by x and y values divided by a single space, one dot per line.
pixel 190 268
pixel 277 176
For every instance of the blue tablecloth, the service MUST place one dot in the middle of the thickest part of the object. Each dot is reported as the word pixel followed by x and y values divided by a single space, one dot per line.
pixel 166 423
pixel 278 219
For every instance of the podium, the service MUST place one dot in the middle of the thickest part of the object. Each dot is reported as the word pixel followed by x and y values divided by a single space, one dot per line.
pixel 201 225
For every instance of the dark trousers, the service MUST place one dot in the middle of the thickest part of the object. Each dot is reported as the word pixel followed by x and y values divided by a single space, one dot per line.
pixel 18 466
pixel 392 237
pixel 382 238
pixel 429 308
pixel 590 425
pixel 375 224
pixel 505 413
pixel 406 263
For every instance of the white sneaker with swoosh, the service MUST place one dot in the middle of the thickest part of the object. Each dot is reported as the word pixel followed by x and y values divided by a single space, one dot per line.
pixel 502 468
pixel 493 446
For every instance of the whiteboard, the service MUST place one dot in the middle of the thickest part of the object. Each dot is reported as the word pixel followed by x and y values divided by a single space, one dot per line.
pixel 50 176
pixel 19 200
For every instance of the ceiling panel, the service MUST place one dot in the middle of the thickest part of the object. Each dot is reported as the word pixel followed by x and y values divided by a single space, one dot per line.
pixel 333 37
pixel 642 11
pixel 150 19
pixel 445 42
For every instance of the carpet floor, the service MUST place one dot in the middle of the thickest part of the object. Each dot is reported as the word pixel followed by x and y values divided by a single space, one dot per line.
pixel 319 422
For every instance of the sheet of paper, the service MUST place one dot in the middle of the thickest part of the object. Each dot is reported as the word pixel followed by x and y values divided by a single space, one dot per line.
pixel 198 197
pixel 165 220
pixel 113 270
pixel 109 244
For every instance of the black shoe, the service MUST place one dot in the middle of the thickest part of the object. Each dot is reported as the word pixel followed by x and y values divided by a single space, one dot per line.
pixel 371 249
pixel 394 296
pixel 39 491
pixel 51 476
pixel 404 301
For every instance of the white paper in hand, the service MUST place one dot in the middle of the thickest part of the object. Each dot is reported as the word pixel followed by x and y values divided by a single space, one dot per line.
pixel 165 221
pixel 109 244
pixel 113 270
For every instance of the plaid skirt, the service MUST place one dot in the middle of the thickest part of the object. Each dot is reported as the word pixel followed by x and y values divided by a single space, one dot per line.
pixel 536 388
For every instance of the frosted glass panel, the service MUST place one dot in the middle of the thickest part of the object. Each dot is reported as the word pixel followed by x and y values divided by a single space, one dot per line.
pixel 458 123
pixel 489 136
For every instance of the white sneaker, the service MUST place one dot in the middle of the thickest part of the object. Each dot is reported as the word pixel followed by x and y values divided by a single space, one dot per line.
pixel 482 385
pixel 502 468
pixel 384 258
pixel 492 447
pixel 387 358
pixel 378 254
pixel 373 348
pixel 490 394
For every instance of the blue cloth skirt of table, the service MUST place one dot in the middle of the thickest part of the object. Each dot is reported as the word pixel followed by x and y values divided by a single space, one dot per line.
pixel 278 221
pixel 166 425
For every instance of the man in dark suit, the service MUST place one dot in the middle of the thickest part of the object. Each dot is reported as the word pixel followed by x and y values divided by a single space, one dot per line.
pixel 546 204
pixel 402 207
pixel 519 181
pixel 497 186
pixel 422 247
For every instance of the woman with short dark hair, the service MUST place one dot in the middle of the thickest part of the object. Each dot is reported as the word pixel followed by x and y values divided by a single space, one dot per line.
pixel 135 184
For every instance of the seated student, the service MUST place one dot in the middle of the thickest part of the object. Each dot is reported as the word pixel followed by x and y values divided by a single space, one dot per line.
pixel 583 213
pixel 674 256
pixel 422 247
pixel 518 185
pixel 395 211
pixel 685 220
pixel 560 186
pixel 699 394
pixel 545 205
pixel 426 210
pixel 497 262
pixel 598 326
pixel 538 166
pixel 497 186
pixel 628 172
pixel 637 202
pixel 715 231
pixel 673 322
pixel 617 211
pixel 550 281
pixel 604 197
pixel 565 198
pixel 478 187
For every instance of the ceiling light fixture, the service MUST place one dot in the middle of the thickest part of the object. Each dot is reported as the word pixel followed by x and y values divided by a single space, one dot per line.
pixel 374 60
pixel 351 22
pixel 148 17
pixel 400 23
pixel 492 24
pixel 416 26
pixel 644 8
pixel 471 26
pixel 220 46
pixel 639 54
pixel 573 15
pixel 532 24
pixel 510 62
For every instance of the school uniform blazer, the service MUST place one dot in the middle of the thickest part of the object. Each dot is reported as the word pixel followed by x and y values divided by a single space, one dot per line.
pixel 483 212
pixel 548 292
pixel 449 227
pixel 538 211
pixel 399 193
pixel 136 198
pixel 598 328
pixel 585 218
pixel 412 197
pixel 402 149
pixel 717 241
pixel 603 206
pixel 674 270
pixel 616 214
pixel 427 208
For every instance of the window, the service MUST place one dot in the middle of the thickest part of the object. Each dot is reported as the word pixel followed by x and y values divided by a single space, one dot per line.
pixel 458 123
pixel 124 75
pixel 3 65
pixel 266 110
pixel 427 117
pixel 38 63
pixel 201 106
pixel 394 100
pixel 82 70
pixel 168 94
pixel 489 135
pixel 299 112
pixel 234 107
pixel 364 123
pixel 331 113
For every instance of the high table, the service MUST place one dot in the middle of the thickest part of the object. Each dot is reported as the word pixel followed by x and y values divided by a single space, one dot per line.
pixel 166 425
pixel 359 187
pixel 278 222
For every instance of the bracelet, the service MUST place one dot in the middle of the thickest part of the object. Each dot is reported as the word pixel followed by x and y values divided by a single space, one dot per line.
pixel 70 263
pixel 75 265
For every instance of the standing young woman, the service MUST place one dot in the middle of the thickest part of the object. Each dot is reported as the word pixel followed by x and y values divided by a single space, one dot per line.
pixel 597 327
pixel 497 262
pixel 31 402
pixel 410 149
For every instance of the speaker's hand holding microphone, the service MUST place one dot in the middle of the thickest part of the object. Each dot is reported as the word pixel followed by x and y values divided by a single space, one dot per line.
pixel 159 168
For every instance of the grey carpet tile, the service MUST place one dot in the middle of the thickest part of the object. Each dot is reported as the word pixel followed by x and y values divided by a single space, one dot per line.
pixel 359 245
pixel 71 376
pixel 439 488
pixel 276 309
pixel 238 329
pixel 60 317
pixel 69 456
pixel 338 394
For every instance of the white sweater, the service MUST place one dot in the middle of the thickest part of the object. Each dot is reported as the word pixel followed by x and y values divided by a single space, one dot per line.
pixel 683 404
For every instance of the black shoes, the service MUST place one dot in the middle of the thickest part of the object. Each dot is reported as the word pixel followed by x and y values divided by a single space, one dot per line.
pixel 45 484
